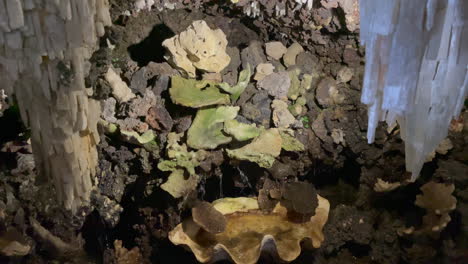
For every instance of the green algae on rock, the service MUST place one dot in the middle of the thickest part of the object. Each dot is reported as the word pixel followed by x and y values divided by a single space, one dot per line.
pixel 179 156
pixel 263 150
pixel 196 94
pixel 206 130
pixel 290 143
pixel 241 131
pixel 243 81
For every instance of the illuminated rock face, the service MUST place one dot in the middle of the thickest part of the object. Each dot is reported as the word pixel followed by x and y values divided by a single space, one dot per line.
pixel 44 48
pixel 416 69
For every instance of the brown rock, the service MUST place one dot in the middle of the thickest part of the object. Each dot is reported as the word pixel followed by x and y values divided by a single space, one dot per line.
pixel 159 118
pixel 275 49
pixel 207 217
pixel 300 197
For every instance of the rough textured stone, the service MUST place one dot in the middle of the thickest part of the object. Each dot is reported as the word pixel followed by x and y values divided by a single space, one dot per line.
pixel 263 70
pixel 198 47
pixel 253 55
pixel 159 118
pixel 282 118
pixel 289 58
pixel 120 89
pixel 344 75
pixel 275 49
pixel 327 93
pixel 276 84
pixel 108 109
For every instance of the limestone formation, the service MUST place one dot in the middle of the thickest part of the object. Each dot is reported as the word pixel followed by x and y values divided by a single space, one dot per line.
pixel 416 70
pixel 44 47
pixel 198 47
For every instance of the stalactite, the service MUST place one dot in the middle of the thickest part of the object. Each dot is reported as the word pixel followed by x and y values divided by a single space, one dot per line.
pixel 416 69
pixel 44 48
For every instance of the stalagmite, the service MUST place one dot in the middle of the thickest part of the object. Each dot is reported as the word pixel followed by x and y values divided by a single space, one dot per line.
pixel 416 69
pixel 44 48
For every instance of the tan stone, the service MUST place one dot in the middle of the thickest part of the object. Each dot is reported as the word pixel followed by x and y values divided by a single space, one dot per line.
pixel 249 232
pixel 275 49
pixel 198 47
pixel 120 89
pixel 289 58
pixel 282 118
pixel 263 70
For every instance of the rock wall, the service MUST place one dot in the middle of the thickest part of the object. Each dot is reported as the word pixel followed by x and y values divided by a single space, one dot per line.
pixel 44 47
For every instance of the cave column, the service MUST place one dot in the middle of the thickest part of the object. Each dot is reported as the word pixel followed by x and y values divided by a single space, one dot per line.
pixel 44 50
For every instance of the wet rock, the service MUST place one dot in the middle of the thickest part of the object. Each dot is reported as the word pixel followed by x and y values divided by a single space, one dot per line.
pixel 289 58
pixel 275 49
pixel 278 66
pixel 276 84
pixel 253 55
pixel 282 118
pixel 159 118
pixel 121 255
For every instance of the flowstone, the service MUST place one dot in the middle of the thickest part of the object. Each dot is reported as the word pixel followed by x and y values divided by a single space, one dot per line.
pixel 416 70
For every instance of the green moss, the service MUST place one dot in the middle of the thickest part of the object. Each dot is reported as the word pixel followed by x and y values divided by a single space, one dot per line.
pixel 206 130
pixel 241 131
pixel 290 143
pixel 196 94
pixel 243 81
pixel 305 121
